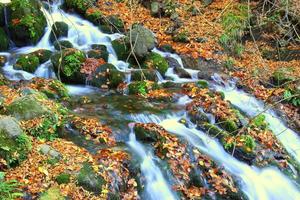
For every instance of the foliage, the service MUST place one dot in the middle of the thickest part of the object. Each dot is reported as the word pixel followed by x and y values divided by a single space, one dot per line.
pixel 9 189
pixel 72 63
pixel 234 23
pixel 138 87
pixel 260 122
pixel 291 96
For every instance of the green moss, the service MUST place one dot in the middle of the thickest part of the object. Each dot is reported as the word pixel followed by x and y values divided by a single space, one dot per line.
pixel 52 193
pixel 89 180
pixel 98 51
pixel 4 41
pixel 181 37
pixel 143 74
pixel 260 122
pixel 60 89
pixel 156 61
pixel 121 49
pixel 94 17
pixel 214 131
pixel 108 75
pixel 63 178
pixel 14 150
pixel 202 84
pixel 229 125
pixel 138 87
pixel 80 6
pixel 27 63
pixel 43 55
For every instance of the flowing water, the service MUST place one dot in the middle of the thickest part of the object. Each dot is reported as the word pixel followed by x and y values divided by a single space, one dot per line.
pixel 266 183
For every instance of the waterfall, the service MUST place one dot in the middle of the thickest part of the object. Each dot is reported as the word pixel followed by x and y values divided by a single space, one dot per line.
pixel 156 186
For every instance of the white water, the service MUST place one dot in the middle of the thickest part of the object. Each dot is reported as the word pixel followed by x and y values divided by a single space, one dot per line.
pixel 156 186
pixel 265 184
pixel 253 107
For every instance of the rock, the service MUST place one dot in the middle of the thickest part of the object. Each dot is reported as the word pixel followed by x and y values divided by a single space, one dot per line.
pixel 207 68
pixel 79 6
pixel 167 48
pixel 181 37
pixel 157 62
pixel 62 44
pixel 69 62
pixel 172 62
pixel 28 63
pixel 112 24
pixel 43 55
pixel 15 145
pixel 89 180
pixel 98 51
pixel 181 72
pixel 59 29
pixel 142 40
pixel 121 49
pixel 155 9
pixel 139 75
pixel 280 77
pixel 107 74
pixel 26 22
pixel 52 193
pixel 4 40
pixel 27 107
pixel 146 135
pixel 3 60
pixel 48 150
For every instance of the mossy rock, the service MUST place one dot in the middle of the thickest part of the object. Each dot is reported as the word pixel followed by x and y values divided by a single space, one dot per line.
pixel 95 16
pixel 138 87
pixel 142 40
pixel 52 193
pixel 181 72
pixel 89 180
pixel 121 49
pixel 146 135
pixel 112 24
pixel 69 62
pixel 27 107
pixel 27 22
pixel 43 55
pixel 202 84
pixel 59 29
pixel 63 178
pixel 198 117
pixel 4 40
pixel 79 6
pixel 156 61
pixel 3 60
pixel 214 131
pixel 167 48
pixel 181 37
pixel 148 74
pixel 14 144
pixel 229 125
pixel 62 44
pixel 28 63
pixel 280 77
pixel 107 74
pixel 98 51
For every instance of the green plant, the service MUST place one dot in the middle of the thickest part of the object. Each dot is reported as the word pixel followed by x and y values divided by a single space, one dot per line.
pixel 156 61
pixel 292 97
pixel 63 178
pixel 9 189
pixel 72 63
pixel 260 122
pixel 138 87
pixel 249 143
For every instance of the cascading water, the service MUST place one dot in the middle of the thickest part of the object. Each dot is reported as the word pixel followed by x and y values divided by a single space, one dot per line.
pixel 267 183
pixel 156 186
pixel 252 107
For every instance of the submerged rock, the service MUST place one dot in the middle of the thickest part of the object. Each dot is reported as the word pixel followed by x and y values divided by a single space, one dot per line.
pixel 107 74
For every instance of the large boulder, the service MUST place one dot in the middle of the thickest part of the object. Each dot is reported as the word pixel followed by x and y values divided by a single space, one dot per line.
pixel 89 180
pixel 107 75
pixel 27 22
pixel 4 40
pixel 14 144
pixel 27 107
pixel 59 29
pixel 142 39
pixel 67 65
pixel 28 63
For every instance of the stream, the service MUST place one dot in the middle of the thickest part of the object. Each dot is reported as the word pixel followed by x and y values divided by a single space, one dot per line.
pixel 267 183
